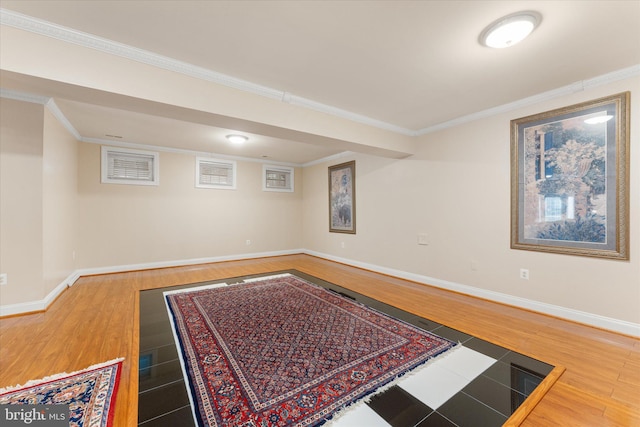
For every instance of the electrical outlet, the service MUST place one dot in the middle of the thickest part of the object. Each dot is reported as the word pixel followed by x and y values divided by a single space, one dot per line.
pixel 474 265
pixel 342 244
pixel 423 239
pixel 524 274
pixel 3 279
pixel 248 242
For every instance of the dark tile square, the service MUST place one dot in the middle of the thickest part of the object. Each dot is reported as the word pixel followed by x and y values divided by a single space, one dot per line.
pixel 156 355
pixel 486 348
pixel 527 363
pixel 158 338
pixel 399 408
pixel 426 324
pixel 452 334
pixel 436 420
pixel 514 377
pixel 495 395
pixel 161 400
pixel 159 375
pixel 178 418
pixel 465 411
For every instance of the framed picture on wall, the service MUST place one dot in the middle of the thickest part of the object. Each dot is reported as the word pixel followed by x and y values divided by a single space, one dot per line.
pixel 342 198
pixel 570 179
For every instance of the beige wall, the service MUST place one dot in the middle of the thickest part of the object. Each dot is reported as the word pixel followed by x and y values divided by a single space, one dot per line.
pixel 21 130
pixel 60 202
pixel 456 188
pixel 127 224
pixel 38 203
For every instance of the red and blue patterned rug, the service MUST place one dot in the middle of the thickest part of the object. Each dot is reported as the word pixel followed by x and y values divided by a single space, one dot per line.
pixel 280 351
pixel 80 399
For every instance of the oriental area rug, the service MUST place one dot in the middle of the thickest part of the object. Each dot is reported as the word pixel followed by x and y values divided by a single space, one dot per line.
pixel 79 399
pixel 280 351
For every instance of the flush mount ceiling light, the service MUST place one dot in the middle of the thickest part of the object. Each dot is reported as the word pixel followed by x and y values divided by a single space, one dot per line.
pixel 237 139
pixel 509 30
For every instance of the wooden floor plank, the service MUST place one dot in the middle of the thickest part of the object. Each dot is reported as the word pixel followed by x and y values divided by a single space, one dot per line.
pixel 97 320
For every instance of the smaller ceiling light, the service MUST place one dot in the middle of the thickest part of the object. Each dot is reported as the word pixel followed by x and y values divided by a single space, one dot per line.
pixel 237 139
pixel 511 29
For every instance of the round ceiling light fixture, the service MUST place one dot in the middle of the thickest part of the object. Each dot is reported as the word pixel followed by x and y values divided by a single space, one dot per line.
pixel 509 30
pixel 237 139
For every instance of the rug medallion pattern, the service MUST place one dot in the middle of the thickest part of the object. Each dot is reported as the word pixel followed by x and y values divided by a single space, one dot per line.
pixel 282 351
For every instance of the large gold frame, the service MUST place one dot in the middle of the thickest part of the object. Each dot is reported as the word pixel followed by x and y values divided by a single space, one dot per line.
pixel 591 161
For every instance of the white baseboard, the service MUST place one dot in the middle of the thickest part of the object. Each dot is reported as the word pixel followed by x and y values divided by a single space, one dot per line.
pixel 615 325
pixel 178 263
pixel 608 323
pixel 39 305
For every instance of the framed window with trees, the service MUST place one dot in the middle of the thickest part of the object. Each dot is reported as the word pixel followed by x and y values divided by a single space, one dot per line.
pixel 570 179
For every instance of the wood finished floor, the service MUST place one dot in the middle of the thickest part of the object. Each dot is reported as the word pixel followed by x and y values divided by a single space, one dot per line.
pixel 97 320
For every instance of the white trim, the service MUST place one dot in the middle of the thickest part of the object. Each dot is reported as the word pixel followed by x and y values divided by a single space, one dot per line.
pixel 59 115
pixel 43 304
pixel 48 29
pixel 39 305
pixel 23 96
pixel 329 158
pixel 589 319
pixel 179 263
pixel 611 324
pixel 69 35
pixel 42 100
pixel 603 322
pixel 580 86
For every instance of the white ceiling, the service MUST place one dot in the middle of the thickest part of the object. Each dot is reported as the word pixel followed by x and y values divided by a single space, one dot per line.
pixel 408 66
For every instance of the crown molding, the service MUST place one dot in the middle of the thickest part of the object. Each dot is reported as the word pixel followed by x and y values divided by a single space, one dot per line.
pixel 23 96
pixel 580 86
pixel 50 104
pixel 42 100
pixel 329 158
pixel 69 35
pixel 53 107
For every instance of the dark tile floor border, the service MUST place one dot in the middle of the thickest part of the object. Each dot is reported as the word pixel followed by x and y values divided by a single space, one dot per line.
pixel 491 399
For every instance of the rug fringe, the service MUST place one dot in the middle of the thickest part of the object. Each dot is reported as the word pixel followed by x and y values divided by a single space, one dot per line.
pixel 261 278
pixel 332 419
pixel 58 376
pixel 196 288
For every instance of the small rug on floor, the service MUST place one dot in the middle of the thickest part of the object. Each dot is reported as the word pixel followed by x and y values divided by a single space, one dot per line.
pixel 84 398
pixel 280 351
